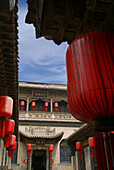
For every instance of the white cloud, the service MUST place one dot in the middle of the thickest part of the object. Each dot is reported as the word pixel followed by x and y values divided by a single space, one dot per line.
pixel 39 53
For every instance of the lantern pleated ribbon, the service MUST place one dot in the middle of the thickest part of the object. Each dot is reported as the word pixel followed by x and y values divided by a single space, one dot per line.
pixel 90 79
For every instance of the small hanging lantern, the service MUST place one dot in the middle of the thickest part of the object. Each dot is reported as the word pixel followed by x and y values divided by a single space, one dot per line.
pixel 6 144
pixel 91 141
pixel 22 104
pixel 6 107
pixel 9 126
pixel 56 106
pixel 46 106
pixel 29 148
pixel 51 148
pixel 79 147
pixel 33 105
pixel 11 153
pixel 14 147
pixel 12 139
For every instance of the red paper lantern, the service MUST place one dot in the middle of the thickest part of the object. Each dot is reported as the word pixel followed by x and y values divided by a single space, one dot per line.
pixel 14 147
pixel 79 146
pixel 33 105
pixel 11 153
pixel 56 106
pixel 12 139
pixel 6 106
pixel 90 72
pixel 51 148
pixel 2 128
pixel 22 104
pixel 29 147
pixel 46 105
pixel 6 144
pixel 91 141
pixel 9 126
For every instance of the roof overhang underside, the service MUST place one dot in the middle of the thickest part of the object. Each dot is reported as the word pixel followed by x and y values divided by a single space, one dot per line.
pixel 64 20
pixel 9 59
pixel 33 139
pixel 83 133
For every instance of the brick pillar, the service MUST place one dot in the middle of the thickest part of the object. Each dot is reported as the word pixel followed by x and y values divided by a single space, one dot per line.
pixel 87 158
pixel 73 159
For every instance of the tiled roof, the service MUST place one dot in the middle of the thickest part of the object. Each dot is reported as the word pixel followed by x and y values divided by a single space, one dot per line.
pixel 33 139
pixel 40 135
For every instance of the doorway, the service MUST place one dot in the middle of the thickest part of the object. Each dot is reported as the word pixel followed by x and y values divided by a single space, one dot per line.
pixel 39 160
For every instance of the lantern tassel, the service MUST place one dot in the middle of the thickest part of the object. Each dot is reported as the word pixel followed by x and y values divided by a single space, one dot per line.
pixel 93 153
pixel 80 155
pixel 50 154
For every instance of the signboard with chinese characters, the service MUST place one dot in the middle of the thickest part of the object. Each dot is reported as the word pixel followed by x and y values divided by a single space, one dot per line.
pixel 39 94
pixel 40 141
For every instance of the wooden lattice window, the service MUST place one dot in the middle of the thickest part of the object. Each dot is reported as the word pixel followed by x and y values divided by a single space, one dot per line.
pixel 65 153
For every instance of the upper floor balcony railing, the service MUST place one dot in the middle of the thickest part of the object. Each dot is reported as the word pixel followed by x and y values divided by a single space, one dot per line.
pixel 43 115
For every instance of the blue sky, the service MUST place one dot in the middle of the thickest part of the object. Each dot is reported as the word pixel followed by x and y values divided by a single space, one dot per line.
pixel 41 60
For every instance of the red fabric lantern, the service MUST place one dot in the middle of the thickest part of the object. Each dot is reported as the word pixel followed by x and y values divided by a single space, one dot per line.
pixel 6 106
pixel 91 142
pixel 51 148
pixel 22 104
pixel 2 128
pixel 79 146
pixel 9 126
pixel 56 106
pixel 46 105
pixel 14 147
pixel 29 147
pixel 33 105
pixel 6 144
pixel 90 72
pixel 12 139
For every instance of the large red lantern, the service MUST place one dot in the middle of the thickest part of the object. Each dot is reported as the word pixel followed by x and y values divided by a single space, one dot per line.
pixel 56 106
pixel 6 107
pixel 33 105
pixel 46 106
pixel 90 74
pixel 9 126
pixel 22 104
